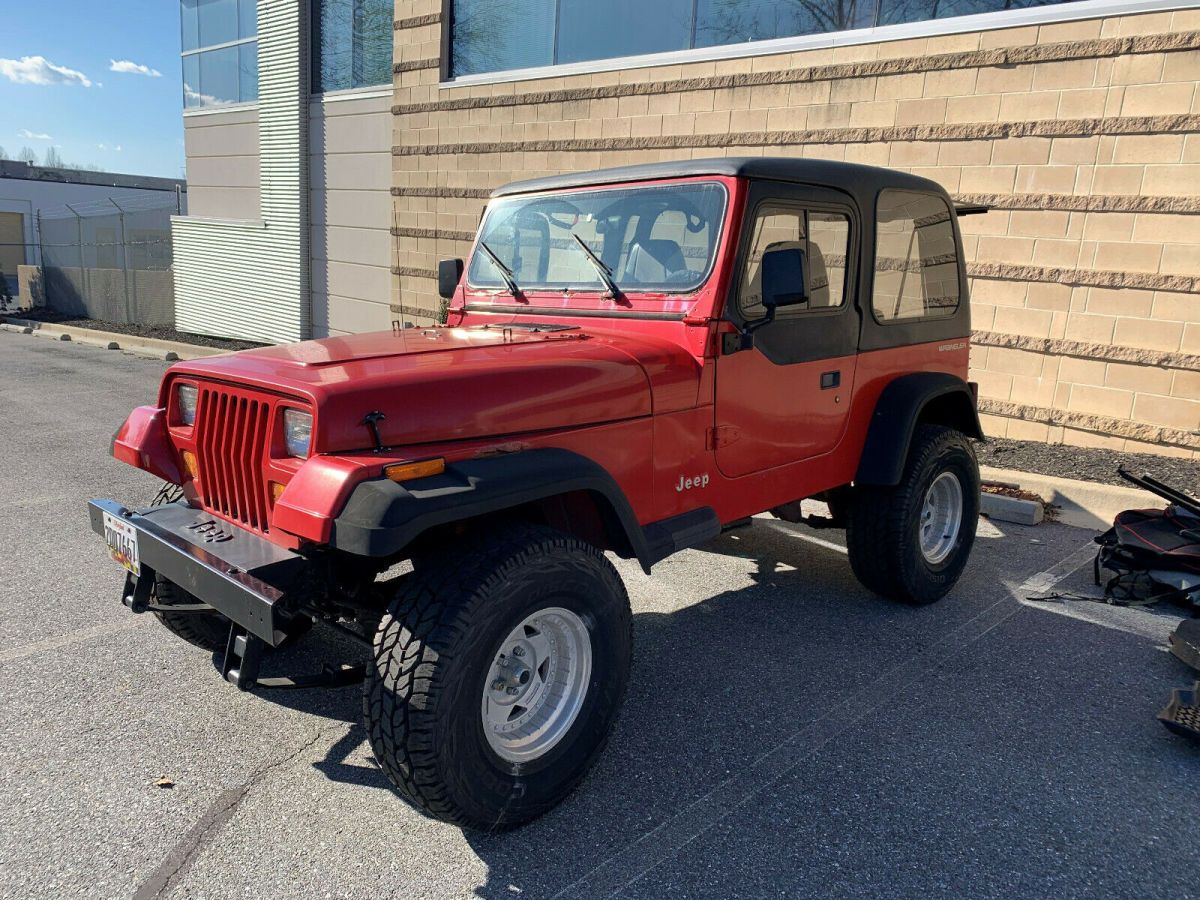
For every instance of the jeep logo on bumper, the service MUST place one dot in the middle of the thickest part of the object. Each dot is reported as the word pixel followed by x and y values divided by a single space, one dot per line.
pixel 210 531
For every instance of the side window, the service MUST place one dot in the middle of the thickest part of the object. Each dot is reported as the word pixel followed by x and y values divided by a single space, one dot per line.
pixel 916 264
pixel 824 240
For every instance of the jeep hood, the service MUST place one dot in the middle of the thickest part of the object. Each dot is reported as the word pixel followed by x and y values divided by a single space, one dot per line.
pixel 446 384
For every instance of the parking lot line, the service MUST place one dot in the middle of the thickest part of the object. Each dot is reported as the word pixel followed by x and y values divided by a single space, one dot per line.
pixel 65 640
pixel 666 840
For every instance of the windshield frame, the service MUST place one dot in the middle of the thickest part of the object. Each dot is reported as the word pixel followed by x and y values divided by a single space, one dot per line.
pixel 597 288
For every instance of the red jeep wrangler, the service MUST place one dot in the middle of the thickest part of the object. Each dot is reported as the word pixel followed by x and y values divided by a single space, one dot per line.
pixel 635 359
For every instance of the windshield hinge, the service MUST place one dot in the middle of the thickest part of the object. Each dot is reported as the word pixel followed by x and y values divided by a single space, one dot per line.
pixel 722 436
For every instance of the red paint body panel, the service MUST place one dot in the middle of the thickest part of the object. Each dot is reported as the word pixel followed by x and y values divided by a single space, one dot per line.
pixel 142 442
pixel 641 390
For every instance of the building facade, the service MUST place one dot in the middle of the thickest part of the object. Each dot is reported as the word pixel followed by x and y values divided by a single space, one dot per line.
pixel 1077 122
pixel 287 130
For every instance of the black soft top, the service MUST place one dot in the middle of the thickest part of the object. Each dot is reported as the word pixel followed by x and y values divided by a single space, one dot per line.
pixel 861 182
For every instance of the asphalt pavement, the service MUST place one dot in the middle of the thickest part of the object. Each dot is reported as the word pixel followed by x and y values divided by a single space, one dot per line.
pixel 785 734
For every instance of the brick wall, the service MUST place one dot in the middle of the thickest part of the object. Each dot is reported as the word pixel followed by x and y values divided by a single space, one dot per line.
pixel 1084 137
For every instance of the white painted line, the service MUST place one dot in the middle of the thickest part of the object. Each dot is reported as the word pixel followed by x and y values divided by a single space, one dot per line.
pixel 65 640
pixel 1154 624
pixel 794 531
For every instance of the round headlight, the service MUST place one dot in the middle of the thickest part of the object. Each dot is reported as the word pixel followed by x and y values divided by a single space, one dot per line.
pixel 185 398
pixel 297 432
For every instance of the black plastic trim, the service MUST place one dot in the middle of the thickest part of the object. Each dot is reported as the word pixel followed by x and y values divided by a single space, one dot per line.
pixel 689 529
pixel 382 517
pixel 895 420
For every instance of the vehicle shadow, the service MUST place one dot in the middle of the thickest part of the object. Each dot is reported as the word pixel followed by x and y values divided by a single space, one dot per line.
pixel 714 683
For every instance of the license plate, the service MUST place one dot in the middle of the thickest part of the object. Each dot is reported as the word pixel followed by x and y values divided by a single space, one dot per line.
pixel 122 541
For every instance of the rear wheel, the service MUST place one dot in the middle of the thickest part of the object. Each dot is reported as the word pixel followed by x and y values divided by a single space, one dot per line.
pixel 499 670
pixel 911 541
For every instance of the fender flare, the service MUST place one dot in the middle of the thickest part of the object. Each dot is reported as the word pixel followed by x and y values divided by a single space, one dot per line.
pixel 382 517
pixel 907 401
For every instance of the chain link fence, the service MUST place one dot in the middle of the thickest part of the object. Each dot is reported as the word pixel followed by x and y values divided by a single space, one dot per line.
pixel 110 259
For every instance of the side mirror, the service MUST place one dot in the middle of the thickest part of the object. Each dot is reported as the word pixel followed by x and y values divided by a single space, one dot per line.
pixel 783 278
pixel 449 274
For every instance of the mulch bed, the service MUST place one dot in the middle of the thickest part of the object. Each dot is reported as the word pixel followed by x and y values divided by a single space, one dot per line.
pixel 157 332
pixel 1086 463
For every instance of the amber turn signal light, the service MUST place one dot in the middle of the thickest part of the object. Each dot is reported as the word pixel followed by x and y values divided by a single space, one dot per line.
pixel 189 464
pixel 420 469
pixel 276 490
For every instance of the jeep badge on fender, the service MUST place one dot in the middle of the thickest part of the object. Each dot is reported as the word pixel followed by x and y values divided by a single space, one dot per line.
pixel 633 360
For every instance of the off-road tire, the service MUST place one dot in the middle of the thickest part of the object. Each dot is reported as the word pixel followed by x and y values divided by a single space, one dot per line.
pixel 432 655
pixel 207 630
pixel 882 533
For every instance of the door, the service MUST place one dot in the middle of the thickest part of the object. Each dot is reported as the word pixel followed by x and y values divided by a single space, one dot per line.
pixel 12 247
pixel 787 397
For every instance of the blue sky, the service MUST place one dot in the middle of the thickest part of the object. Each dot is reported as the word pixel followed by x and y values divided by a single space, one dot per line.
pixel 58 86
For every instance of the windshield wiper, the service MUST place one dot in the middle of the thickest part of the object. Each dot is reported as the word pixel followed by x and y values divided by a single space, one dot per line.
pixel 602 269
pixel 505 272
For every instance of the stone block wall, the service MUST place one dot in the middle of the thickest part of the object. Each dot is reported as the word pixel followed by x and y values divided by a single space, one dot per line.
pixel 1083 137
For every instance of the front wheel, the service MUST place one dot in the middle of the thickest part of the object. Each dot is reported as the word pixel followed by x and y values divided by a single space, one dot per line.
pixel 910 542
pixel 499 670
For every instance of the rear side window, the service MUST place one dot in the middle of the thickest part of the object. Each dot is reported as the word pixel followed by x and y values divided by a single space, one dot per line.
pixel 916 262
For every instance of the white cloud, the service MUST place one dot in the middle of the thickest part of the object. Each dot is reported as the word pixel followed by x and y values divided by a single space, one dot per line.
pixel 131 68
pixel 26 133
pixel 39 70
pixel 195 98
pixel 106 147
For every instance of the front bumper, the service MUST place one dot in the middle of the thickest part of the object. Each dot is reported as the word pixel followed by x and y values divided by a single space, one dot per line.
pixel 235 571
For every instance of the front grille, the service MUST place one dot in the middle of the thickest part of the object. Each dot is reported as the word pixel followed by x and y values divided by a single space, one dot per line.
pixel 231 439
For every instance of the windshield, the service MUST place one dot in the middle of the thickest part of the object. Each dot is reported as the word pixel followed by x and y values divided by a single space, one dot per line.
pixel 657 238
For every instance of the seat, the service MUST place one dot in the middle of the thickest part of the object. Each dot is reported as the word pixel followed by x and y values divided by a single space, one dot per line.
pixel 814 269
pixel 654 261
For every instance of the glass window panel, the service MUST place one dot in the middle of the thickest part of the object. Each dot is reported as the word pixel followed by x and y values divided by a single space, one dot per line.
pixel 218 21
pixel 352 44
pixel 734 21
pixel 191 81
pixel 218 76
pixel 655 239
pixel 247 18
pixel 823 239
pixel 591 30
pixel 892 12
pixel 495 35
pixel 916 261
pixel 189 24
pixel 332 46
pixel 248 72
pixel 372 39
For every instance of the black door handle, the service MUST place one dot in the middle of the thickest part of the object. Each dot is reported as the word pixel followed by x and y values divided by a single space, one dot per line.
pixel 830 380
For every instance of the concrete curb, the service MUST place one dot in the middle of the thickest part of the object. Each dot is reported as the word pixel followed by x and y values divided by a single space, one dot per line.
pixel 110 340
pixel 1084 504
pixel 1010 509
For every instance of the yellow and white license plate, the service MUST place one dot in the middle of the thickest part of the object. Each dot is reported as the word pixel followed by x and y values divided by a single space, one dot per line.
pixel 122 541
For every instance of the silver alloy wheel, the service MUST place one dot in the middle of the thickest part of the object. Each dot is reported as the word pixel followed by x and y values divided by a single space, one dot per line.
pixel 537 684
pixel 941 518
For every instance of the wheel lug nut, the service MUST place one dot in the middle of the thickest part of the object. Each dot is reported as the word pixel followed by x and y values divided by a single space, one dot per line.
pixel 498 685
pixel 518 651
pixel 512 691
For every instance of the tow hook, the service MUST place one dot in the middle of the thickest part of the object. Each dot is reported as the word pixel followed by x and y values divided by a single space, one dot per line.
pixel 137 593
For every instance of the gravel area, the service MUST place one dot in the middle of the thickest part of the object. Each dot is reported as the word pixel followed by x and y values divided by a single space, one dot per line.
pixel 158 332
pixel 1086 463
